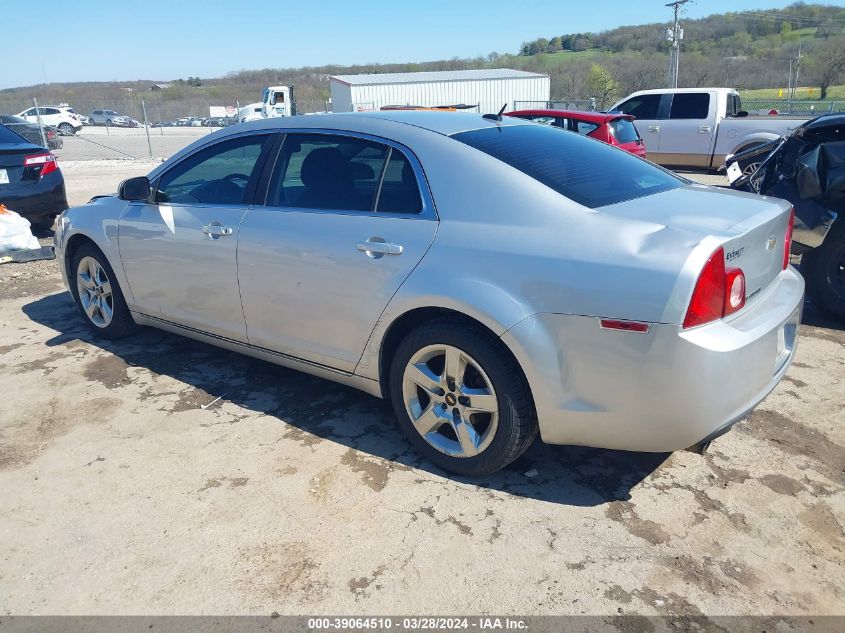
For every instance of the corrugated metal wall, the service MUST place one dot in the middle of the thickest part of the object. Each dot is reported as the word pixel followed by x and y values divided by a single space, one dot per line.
pixel 490 94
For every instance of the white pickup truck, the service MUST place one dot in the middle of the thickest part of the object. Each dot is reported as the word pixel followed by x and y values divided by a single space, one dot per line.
pixel 699 127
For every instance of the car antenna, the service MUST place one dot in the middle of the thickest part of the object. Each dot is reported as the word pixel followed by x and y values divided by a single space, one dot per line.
pixel 495 117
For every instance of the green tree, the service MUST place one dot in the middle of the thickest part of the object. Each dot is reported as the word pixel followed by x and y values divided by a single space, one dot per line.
pixel 826 63
pixel 602 85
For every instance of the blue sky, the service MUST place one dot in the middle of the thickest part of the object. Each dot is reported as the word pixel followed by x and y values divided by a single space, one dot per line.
pixel 104 40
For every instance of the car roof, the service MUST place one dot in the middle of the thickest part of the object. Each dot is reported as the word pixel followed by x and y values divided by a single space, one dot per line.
pixel 446 123
pixel 593 117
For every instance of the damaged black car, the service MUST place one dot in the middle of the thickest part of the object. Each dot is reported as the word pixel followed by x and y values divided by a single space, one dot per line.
pixel 807 168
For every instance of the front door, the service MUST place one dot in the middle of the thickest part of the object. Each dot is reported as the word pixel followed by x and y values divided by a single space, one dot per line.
pixel 344 225
pixel 179 250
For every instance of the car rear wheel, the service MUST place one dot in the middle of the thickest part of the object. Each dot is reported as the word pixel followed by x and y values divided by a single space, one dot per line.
pixel 98 295
pixel 461 398
pixel 824 272
pixel 66 129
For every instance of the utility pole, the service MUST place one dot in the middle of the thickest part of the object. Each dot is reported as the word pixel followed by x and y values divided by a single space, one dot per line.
pixel 674 36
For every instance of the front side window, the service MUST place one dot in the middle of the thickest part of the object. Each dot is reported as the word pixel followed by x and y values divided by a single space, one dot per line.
pixel 30 112
pixel 589 173
pixel 317 171
pixel 690 105
pixel 641 107
pixel 220 174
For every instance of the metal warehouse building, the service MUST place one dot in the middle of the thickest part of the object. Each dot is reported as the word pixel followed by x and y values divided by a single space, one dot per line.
pixel 489 89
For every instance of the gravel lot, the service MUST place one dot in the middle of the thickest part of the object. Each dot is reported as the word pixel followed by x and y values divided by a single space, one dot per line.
pixel 124 492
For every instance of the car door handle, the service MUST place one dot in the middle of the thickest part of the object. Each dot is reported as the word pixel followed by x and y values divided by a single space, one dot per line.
pixel 704 129
pixel 376 247
pixel 215 231
pixel 653 128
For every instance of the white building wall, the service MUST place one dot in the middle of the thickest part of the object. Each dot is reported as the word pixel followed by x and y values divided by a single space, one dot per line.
pixel 489 94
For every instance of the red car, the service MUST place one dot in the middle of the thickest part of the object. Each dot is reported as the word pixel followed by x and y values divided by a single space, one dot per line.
pixel 615 129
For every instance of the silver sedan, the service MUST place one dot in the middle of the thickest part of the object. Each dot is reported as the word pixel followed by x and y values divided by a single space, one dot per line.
pixel 494 278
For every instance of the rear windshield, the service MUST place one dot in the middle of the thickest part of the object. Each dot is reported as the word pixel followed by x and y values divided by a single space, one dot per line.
pixel 7 136
pixel 587 171
pixel 624 131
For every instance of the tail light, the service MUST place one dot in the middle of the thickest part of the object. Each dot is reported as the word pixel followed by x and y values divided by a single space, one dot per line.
pixel 787 241
pixel 718 292
pixel 42 164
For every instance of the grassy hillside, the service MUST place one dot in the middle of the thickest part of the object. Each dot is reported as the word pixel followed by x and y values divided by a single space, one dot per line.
pixel 745 50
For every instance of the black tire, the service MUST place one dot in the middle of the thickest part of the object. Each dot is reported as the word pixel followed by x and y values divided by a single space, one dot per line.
pixel 823 269
pixel 43 223
pixel 66 129
pixel 517 425
pixel 121 323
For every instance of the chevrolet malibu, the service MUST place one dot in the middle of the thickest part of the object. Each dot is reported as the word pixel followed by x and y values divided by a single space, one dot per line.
pixel 493 278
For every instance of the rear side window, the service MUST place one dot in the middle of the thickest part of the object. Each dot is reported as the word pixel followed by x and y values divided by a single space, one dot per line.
pixel 641 107
pixel 7 136
pixel 584 127
pixel 399 190
pixel 690 105
pixel 592 174
pixel 624 131
pixel 319 171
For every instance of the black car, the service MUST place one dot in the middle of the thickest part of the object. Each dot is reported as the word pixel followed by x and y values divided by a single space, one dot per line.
pixel 807 168
pixel 31 182
pixel 31 132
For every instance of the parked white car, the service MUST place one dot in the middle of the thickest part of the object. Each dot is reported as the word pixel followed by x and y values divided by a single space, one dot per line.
pixel 61 117
pixel 699 127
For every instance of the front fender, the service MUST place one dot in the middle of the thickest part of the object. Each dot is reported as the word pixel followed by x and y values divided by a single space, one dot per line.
pixel 99 222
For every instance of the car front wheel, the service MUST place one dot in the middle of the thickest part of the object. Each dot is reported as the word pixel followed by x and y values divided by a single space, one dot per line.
pixel 461 398
pixel 98 295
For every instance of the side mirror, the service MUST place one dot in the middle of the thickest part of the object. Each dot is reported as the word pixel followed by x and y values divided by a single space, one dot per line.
pixel 134 189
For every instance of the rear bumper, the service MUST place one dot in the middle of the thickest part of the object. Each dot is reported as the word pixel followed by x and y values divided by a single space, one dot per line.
pixel 43 199
pixel 664 390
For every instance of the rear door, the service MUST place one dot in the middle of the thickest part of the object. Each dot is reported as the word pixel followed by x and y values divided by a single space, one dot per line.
pixel 649 111
pixel 686 137
pixel 179 250
pixel 346 220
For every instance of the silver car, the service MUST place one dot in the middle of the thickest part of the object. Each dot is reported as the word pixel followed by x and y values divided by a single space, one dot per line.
pixel 493 277
pixel 109 118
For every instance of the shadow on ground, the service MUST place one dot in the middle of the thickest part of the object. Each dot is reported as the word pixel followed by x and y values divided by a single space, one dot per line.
pixel 565 474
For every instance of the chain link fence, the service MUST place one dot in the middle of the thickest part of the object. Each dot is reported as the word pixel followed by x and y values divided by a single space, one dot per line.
pixel 799 107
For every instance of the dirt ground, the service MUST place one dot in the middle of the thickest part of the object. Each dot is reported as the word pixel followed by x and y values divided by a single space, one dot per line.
pixel 130 488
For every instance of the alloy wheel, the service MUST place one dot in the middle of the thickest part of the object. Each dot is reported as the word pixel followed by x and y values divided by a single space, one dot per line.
pixel 450 400
pixel 95 292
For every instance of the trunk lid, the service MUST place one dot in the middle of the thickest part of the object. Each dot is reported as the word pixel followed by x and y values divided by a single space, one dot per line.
pixel 750 228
